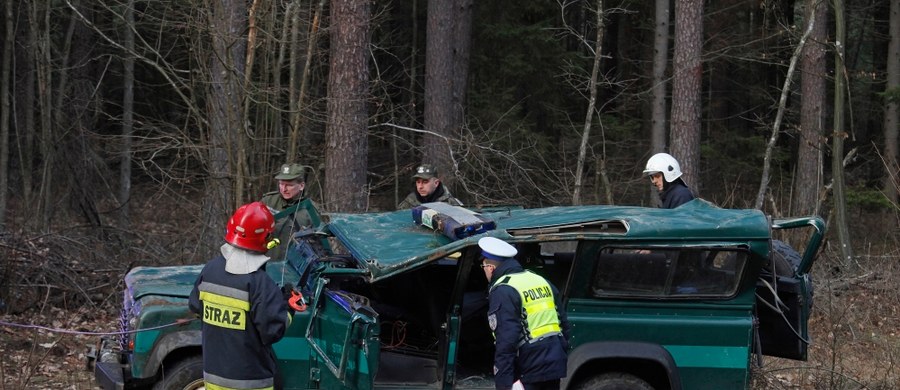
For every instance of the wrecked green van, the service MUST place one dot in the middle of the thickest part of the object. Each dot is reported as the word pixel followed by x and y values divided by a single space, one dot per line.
pixel 657 299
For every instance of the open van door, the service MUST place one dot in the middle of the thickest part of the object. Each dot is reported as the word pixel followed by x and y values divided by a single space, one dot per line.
pixel 343 336
pixel 785 293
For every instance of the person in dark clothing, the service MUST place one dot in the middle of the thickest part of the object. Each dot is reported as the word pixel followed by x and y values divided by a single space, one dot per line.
pixel 428 189
pixel 665 173
pixel 291 191
pixel 243 311
pixel 525 313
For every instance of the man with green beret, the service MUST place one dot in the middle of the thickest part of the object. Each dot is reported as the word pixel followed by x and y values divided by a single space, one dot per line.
pixel 291 183
pixel 428 189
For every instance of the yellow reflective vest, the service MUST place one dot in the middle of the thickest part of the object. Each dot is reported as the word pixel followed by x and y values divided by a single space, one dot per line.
pixel 538 305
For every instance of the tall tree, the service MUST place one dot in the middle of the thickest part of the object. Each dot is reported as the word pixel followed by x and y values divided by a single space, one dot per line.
pixel 686 86
pixel 5 108
pixel 592 101
pixel 808 182
pixel 838 134
pixel 44 68
pixel 660 60
pixel 299 99
pixel 127 116
pixel 448 36
pixel 779 116
pixel 227 22
pixel 25 101
pixel 659 80
pixel 892 108
pixel 348 88
pixel 75 112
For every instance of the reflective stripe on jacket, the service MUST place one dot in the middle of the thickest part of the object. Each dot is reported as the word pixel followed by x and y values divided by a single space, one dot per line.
pixel 243 315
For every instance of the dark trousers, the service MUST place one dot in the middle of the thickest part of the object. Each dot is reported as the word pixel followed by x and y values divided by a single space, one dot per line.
pixel 545 385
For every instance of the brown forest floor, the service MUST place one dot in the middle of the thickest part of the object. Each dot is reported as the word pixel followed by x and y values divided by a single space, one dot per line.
pixel 64 282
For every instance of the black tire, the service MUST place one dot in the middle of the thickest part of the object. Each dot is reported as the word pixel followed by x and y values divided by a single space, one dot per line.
pixel 185 374
pixel 614 381
pixel 785 259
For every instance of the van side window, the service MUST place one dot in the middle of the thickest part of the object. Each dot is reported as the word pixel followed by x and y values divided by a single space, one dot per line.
pixel 675 273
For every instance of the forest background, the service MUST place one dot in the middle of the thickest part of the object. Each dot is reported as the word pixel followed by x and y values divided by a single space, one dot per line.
pixel 130 130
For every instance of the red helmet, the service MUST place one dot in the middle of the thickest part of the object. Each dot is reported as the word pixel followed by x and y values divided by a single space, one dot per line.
pixel 250 227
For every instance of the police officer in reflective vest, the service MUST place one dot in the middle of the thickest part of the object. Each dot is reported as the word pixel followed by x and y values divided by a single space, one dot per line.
pixel 529 323
pixel 243 311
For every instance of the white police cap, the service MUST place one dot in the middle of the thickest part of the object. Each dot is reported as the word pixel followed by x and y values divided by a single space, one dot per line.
pixel 496 249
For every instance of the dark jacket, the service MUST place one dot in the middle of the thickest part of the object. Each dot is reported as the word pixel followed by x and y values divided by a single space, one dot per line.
pixel 440 194
pixel 675 194
pixel 237 343
pixel 540 361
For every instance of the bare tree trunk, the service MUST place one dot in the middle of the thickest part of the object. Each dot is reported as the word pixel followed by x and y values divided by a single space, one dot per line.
pixel 892 109
pixel 660 62
pixel 399 189
pixel 127 118
pixel 660 59
pixel 293 85
pixel 245 138
pixel 446 72
pixel 776 126
pixel 462 44
pixel 5 109
pixel 837 144
pixel 228 21
pixel 348 85
pixel 284 44
pixel 45 93
pixel 438 95
pixel 588 117
pixel 809 178
pixel 686 85
pixel 299 107
pixel 25 128
pixel 75 111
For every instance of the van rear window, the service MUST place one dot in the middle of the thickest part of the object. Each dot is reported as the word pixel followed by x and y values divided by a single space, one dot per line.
pixel 675 273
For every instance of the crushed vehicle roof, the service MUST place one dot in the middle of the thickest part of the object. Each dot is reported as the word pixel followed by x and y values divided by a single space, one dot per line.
pixel 390 242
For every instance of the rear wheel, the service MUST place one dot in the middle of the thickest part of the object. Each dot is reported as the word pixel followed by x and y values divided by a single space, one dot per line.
pixel 614 381
pixel 185 374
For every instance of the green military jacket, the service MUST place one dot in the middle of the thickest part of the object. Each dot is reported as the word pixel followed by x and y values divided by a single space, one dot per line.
pixel 287 225
pixel 412 200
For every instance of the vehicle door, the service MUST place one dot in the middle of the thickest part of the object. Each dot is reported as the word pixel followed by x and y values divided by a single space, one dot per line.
pixel 342 335
pixel 785 292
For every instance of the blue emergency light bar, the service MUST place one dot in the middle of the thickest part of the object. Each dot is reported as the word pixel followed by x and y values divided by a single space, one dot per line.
pixel 454 222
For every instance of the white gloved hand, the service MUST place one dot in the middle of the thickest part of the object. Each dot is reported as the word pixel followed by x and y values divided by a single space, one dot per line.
pixel 518 385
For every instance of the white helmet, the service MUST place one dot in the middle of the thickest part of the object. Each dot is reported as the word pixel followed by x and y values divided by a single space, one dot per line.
pixel 665 163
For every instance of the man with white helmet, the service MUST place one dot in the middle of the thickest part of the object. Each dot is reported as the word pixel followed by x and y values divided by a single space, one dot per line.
pixel 525 313
pixel 665 174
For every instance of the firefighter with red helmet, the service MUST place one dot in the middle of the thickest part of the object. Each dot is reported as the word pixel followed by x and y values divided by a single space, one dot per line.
pixel 243 311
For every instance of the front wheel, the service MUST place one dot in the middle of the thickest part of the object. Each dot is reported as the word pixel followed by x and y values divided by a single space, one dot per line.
pixel 185 374
pixel 614 381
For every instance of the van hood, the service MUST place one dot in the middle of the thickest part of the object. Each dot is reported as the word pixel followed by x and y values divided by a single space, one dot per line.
pixel 178 281
pixel 174 281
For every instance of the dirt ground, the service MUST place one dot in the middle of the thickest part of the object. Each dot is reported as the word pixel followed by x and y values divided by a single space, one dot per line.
pixel 44 359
